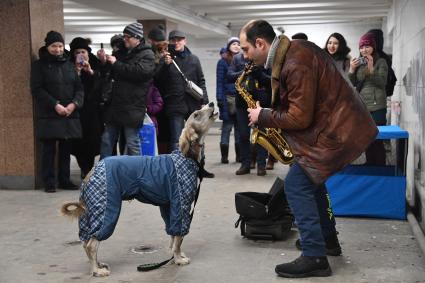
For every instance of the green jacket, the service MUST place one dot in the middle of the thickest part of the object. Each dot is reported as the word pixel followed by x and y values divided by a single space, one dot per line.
pixel 373 89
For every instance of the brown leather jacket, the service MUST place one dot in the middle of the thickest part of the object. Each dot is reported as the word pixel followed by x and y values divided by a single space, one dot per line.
pixel 323 118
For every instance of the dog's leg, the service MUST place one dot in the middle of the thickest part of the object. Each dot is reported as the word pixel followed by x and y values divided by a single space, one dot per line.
pixel 179 257
pixel 171 242
pixel 97 270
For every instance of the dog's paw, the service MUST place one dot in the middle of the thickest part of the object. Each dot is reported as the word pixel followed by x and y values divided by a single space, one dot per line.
pixel 101 272
pixel 182 260
pixel 103 265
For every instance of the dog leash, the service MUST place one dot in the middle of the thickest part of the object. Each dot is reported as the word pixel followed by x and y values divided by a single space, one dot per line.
pixel 156 265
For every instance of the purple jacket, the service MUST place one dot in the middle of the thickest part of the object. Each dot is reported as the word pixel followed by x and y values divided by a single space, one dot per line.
pixel 154 104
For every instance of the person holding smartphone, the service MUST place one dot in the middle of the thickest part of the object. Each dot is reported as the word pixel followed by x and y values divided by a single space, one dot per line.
pixel 368 74
pixel 86 64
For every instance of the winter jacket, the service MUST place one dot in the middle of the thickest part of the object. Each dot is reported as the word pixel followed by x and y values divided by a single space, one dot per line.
pixel 373 89
pixel 55 81
pixel 154 104
pixel 90 114
pixel 223 88
pixel 322 117
pixel 235 70
pixel 132 76
pixel 168 181
pixel 173 87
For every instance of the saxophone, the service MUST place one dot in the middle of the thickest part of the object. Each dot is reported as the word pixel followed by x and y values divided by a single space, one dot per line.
pixel 271 139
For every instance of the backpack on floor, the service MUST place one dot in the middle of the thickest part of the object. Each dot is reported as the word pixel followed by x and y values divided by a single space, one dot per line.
pixel 264 215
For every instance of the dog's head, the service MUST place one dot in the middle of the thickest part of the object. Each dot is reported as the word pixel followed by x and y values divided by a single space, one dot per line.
pixel 196 128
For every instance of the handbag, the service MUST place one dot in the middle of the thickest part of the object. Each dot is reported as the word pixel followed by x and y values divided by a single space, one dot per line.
pixel 147 135
pixel 194 90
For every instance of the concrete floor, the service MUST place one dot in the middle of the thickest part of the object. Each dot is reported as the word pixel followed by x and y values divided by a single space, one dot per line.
pixel 39 245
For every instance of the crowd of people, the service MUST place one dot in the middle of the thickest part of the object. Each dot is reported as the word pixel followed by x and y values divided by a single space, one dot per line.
pixel 326 102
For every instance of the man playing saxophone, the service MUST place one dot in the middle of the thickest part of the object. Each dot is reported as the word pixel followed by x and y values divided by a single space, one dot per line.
pixel 326 126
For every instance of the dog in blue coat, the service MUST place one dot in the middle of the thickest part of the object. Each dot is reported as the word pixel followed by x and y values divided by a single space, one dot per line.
pixel 168 181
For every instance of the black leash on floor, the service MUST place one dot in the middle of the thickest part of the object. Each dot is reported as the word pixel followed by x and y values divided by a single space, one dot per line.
pixel 156 265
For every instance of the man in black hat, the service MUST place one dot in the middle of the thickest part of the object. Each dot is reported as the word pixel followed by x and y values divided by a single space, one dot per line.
pixel 132 76
pixel 178 103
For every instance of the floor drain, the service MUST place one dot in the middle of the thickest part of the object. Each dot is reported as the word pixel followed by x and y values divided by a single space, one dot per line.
pixel 143 249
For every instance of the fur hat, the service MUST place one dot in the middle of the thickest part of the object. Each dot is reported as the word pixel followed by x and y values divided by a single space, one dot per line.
pixel 157 33
pixel 79 43
pixel 231 40
pixel 367 39
pixel 134 30
pixel 52 37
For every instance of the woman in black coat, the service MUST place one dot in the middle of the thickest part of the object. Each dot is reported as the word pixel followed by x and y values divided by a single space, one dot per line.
pixel 58 93
pixel 86 65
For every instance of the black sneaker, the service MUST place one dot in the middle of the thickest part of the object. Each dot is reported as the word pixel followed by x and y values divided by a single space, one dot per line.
pixel 333 247
pixel 50 188
pixel 305 266
pixel 68 186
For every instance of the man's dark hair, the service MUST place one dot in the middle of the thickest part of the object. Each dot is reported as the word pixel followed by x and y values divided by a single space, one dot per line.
pixel 300 35
pixel 259 29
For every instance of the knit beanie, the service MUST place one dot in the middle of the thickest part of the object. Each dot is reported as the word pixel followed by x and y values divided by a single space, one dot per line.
pixel 232 40
pixel 134 30
pixel 157 33
pixel 367 39
pixel 79 43
pixel 223 50
pixel 52 37
pixel 378 34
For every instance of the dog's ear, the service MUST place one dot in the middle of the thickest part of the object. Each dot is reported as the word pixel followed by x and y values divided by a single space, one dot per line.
pixel 188 135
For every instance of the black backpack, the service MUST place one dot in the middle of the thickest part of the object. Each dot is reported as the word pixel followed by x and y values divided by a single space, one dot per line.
pixel 264 215
pixel 391 81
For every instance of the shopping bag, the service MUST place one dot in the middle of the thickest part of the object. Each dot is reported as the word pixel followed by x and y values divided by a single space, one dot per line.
pixel 148 141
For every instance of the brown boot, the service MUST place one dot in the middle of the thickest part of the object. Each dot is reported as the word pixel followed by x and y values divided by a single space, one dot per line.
pixel 270 163
pixel 243 170
pixel 261 171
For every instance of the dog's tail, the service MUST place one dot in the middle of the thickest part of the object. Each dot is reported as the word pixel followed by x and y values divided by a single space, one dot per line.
pixel 76 212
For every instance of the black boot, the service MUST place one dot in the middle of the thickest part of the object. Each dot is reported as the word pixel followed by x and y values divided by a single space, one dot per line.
pixel 333 247
pixel 204 172
pixel 207 174
pixel 224 148
pixel 305 266
pixel 238 153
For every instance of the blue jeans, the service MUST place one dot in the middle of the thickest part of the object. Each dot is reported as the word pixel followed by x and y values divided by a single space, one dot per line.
pixel 110 137
pixel 312 211
pixel 226 129
pixel 176 127
pixel 245 143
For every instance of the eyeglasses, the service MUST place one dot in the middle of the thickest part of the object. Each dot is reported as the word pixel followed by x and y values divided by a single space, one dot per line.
pixel 126 36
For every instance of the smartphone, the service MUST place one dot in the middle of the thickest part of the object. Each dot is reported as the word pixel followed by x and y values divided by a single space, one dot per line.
pixel 363 61
pixel 172 50
pixel 80 59
pixel 101 45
